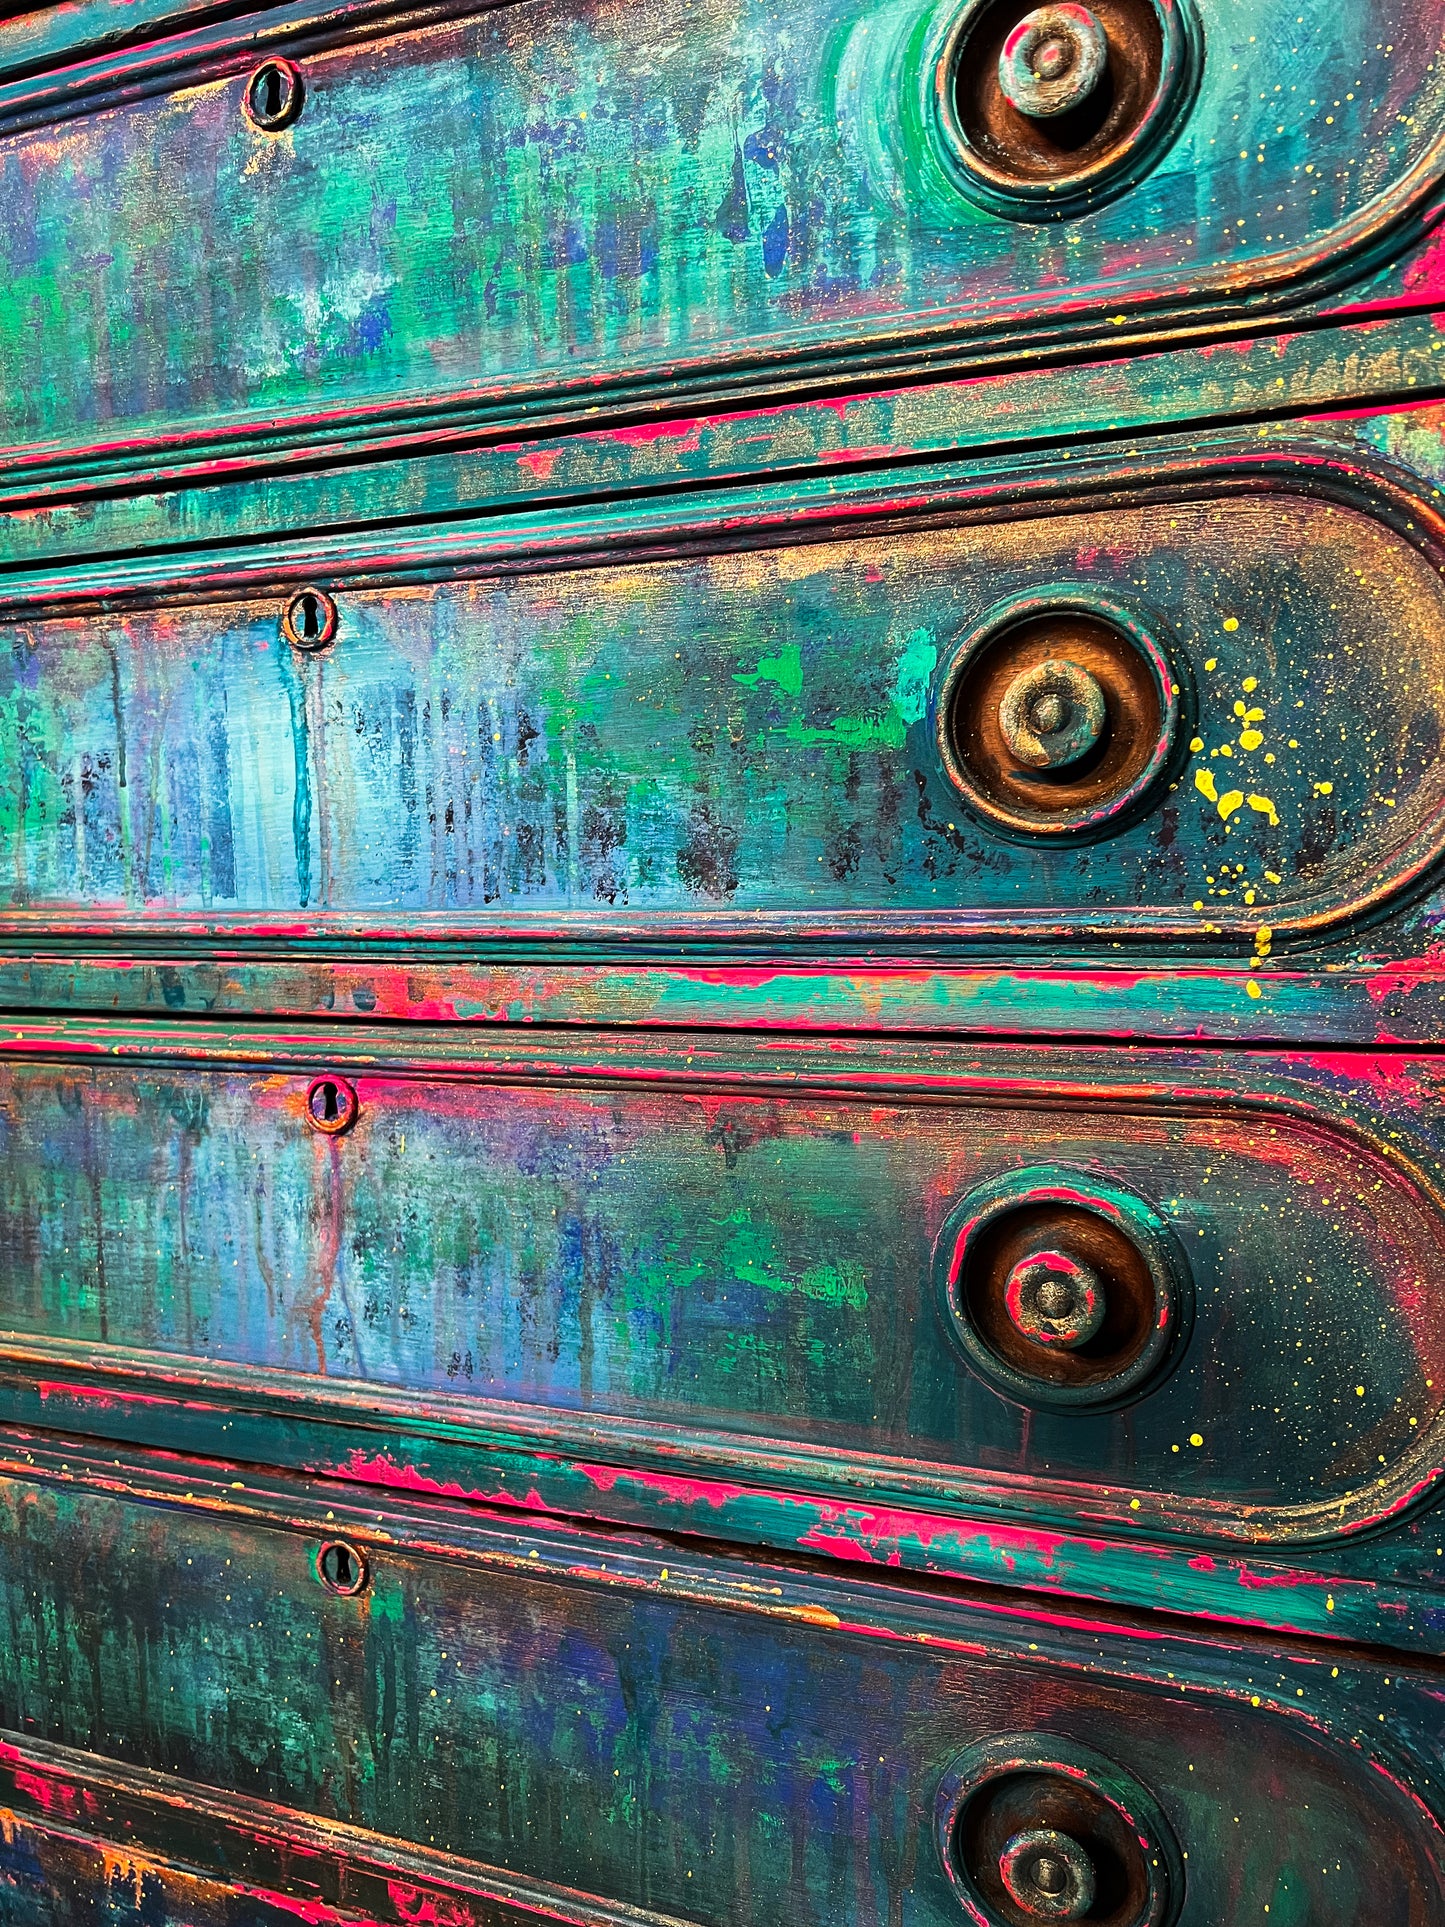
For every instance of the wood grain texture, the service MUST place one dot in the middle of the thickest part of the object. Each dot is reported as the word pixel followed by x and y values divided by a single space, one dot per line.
pixel 643 1723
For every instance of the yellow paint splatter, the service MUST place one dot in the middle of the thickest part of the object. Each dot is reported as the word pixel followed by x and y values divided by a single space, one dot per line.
pixel 1250 739
pixel 1252 989
pixel 1264 807
pixel 1250 683
pixel 1324 789
pixel 1213 663
pixel 1196 743
pixel 1231 801
pixel 1204 783
pixel 1231 623
pixel 1196 1438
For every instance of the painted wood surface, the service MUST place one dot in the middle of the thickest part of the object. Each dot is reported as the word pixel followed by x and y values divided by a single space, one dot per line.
pixel 547 192
pixel 642 1723
pixel 662 413
pixel 346 470
pixel 748 744
pixel 722 1261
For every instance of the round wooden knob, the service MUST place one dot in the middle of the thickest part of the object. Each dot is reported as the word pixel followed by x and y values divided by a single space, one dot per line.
pixel 1047 1875
pixel 1053 61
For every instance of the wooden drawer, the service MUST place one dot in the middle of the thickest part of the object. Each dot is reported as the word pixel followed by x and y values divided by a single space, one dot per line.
pixel 482 212
pixel 590 1723
pixel 787 1265
pixel 796 743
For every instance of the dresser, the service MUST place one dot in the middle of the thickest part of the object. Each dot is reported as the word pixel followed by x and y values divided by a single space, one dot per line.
pixel 722 963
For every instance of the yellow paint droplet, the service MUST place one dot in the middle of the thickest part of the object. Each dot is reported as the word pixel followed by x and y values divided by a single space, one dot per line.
pixel 1264 807
pixel 1255 1700
pixel 1231 623
pixel 1213 663
pixel 1250 683
pixel 1196 1438
pixel 1359 1391
pixel 1329 1602
pixel 1204 783
pixel 1133 1505
pixel 1264 934
pixel 1252 989
pixel 1196 742
pixel 1231 801
pixel 1239 710
pixel 1324 789
pixel 1270 877
pixel 1250 739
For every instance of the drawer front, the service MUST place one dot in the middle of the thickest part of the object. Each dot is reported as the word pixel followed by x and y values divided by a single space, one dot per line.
pixel 795 743
pixel 799 1264
pixel 550 195
pixel 707 1739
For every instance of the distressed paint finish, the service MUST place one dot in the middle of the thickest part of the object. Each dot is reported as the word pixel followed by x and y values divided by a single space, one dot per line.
pixel 745 742
pixel 1382 1003
pixel 661 415
pixel 289 489
pixel 643 1724
pixel 728 1252
pixel 55 1876
pixel 545 192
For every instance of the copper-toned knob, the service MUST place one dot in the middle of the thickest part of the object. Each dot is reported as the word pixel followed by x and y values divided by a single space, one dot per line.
pixel 1052 715
pixel 1054 1299
pixel 1047 1875
pixel 1052 61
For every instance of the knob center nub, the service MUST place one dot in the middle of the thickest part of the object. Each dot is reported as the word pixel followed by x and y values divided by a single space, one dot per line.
pixel 1048 1875
pixel 1055 1300
pixel 1053 61
pixel 1052 715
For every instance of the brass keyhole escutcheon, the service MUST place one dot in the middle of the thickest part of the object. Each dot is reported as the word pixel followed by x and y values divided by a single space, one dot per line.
pixel 308 621
pixel 274 95
pixel 332 1106
pixel 342 1568
pixel 1057 717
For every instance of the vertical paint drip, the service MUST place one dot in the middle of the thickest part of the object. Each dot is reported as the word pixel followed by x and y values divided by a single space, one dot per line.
pixel 127 837
pixel 574 826
pixel 316 736
pixel 77 781
pixel 301 797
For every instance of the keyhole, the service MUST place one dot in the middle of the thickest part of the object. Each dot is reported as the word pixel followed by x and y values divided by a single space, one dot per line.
pixel 273 95
pixel 308 621
pixel 341 1568
pixel 331 1105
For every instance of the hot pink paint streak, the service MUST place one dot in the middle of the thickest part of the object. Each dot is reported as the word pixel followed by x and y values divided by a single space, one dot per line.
pixel 381 1470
